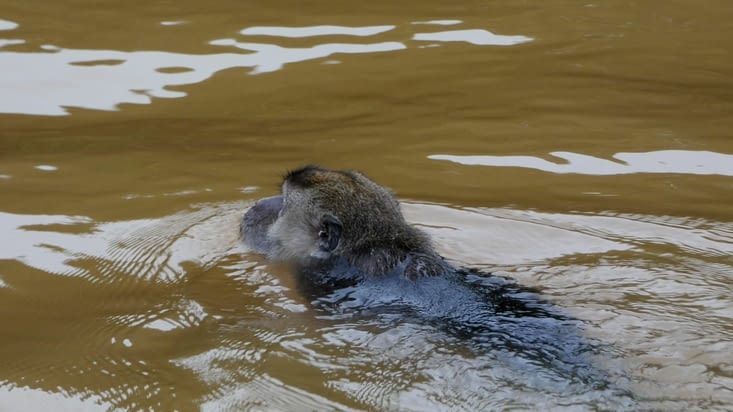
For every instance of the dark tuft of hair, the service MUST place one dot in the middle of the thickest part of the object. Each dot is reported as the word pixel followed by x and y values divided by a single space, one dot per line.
pixel 300 175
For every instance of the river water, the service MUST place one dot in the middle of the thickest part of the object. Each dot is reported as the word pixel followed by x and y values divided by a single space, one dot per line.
pixel 582 148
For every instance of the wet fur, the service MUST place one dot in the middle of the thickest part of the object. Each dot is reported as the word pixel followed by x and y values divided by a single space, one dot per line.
pixel 374 240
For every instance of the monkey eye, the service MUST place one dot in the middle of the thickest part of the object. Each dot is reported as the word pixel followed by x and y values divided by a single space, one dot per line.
pixel 322 234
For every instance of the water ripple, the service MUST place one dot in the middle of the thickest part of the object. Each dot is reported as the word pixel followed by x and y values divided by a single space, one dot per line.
pixel 653 289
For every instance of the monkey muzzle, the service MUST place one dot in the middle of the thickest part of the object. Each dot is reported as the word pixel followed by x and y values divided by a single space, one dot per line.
pixel 257 220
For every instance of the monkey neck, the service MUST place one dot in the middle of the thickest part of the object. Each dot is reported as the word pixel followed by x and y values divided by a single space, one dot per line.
pixel 407 251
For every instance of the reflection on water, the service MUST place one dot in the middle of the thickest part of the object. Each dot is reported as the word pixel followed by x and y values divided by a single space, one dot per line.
pixel 241 315
pixel 477 37
pixel 272 57
pixel 104 79
pixel 7 25
pixel 10 42
pixel 439 22
pixel 171 22
pixel 26 399
pixel 298 32
pixel 660 161
pixel 47 168
pixel 523 236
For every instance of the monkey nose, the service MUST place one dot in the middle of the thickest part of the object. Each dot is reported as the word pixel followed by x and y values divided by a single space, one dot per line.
pixel 257 220
pixel 264 211
pixel 272 203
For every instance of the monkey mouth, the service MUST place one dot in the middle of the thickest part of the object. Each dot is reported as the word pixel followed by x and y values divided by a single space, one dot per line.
pixel 257 219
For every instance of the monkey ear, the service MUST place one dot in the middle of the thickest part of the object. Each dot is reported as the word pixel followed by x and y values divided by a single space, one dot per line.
pixel 329 233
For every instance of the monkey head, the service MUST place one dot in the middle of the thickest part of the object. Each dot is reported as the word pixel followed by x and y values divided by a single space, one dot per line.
pixel 324 216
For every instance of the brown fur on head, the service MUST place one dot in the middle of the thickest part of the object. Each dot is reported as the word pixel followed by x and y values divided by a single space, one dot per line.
pixel 329 214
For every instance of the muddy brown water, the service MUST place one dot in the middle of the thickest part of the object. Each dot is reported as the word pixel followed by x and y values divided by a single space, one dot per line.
pixel 580 147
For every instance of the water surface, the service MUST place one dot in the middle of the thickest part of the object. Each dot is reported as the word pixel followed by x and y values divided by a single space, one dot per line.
pixel 579 148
